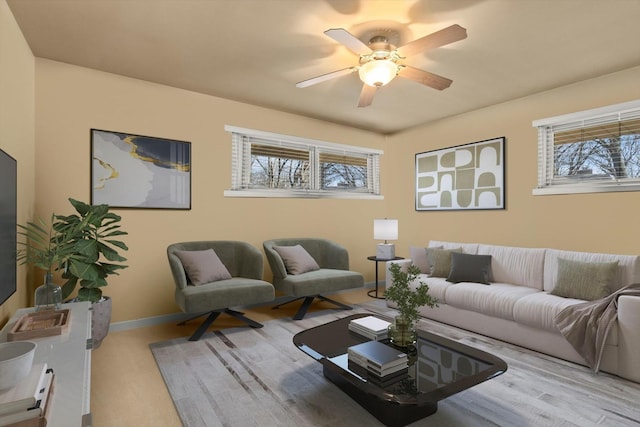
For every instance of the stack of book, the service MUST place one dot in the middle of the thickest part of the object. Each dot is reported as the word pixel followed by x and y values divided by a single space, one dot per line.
pixel 26 404
pixel 370 327
pixel 381 363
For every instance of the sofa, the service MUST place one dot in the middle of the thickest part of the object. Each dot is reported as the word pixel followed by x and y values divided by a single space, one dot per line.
pixel 517 304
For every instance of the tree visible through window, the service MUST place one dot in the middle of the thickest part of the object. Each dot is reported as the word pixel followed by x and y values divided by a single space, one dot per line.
pixel 590 151
pixel 271 165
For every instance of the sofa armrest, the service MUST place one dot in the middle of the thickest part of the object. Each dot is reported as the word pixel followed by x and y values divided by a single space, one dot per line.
pixel 404 265
pixel 628 337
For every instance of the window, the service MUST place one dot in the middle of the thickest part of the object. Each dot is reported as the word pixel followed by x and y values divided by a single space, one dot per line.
pixel 270 165
pixel 590 151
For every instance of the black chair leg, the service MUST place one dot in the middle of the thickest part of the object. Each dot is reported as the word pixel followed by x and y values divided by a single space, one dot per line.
pixel 204 326
pixel 302 311
pixel 303 308
pixel 213 315
pixel 240 316
pixel 339 304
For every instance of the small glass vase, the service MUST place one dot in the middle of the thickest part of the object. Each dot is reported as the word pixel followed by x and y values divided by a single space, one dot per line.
pixel 402 332
pixel 48 296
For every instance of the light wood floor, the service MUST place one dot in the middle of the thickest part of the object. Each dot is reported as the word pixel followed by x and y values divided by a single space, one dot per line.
pixel 128 390
pixel 126 386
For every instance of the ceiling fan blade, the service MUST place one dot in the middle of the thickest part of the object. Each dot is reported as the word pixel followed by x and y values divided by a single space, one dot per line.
pixel 366 95
pixel 424 77
pixel 344 37
pixel 326 77
pixel 439 38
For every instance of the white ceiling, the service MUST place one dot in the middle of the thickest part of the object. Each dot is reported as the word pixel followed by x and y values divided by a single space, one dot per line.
pixel 255 51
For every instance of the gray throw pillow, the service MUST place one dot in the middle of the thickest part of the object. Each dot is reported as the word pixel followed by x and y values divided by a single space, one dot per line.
pixel 588 281
pixel 296 259
pixel 440 261
pixel 419 258
pixel 203 266
pixel 470 268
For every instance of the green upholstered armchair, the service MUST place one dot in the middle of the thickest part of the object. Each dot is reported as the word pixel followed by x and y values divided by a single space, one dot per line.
pixel 201 293
pixel 332 275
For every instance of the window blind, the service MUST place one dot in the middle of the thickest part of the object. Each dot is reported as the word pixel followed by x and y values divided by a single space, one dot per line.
pixel 595 150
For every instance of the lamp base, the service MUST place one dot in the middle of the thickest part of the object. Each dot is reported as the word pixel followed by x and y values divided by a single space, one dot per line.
pixel 386 251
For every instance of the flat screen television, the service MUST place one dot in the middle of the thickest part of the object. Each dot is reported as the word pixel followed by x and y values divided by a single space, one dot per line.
pixel 8 207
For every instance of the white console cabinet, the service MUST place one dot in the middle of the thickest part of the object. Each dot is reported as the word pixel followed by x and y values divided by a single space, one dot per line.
pixel 69 355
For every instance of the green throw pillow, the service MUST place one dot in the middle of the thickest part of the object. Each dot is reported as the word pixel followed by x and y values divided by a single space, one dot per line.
pixel 440 261
pixel 470 268
pixel 584 280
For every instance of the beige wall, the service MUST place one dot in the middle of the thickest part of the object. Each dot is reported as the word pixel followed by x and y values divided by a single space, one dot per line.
pixel 604 222
pixel 17 132
pixel 71 100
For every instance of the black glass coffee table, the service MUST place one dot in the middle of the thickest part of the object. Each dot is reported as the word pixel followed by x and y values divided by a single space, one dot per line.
pixel 438 368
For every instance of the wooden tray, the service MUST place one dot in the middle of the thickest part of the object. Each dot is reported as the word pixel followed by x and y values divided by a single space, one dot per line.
pixel 40 324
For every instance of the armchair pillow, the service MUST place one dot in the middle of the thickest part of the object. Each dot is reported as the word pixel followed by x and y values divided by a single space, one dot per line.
pixel 203 266
pixel 296 259
pixel 440 261
pixel 470 268
pixel 584 280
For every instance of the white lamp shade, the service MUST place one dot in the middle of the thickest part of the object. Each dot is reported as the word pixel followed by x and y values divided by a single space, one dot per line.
pixel 378 72
pixel 385 229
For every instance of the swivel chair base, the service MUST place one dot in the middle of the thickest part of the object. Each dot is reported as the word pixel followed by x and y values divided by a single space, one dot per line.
pixel 213 315
pixel 307 302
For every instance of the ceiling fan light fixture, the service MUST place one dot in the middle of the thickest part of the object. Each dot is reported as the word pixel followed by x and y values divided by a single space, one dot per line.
pixel 378 72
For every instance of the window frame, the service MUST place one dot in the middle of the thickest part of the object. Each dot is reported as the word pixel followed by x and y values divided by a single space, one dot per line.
pixel 549 126
pixel 241 158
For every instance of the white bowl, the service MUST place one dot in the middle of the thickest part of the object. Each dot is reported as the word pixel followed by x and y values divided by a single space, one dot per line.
pixel 16 360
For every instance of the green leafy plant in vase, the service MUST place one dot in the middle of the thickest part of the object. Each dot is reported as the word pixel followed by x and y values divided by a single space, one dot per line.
pixel 402 331
pixel 85 247
pixel 47 250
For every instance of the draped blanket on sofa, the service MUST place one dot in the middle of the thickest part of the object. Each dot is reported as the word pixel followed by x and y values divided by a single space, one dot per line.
pixel 587 325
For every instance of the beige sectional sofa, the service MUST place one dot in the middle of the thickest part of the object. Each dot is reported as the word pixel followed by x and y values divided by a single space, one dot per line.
pixel 518 307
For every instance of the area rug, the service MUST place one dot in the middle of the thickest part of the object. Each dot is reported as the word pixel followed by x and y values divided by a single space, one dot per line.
pixel 257 377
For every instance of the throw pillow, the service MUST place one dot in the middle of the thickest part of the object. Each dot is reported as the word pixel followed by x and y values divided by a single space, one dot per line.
pixel 440 261
pixel 470 268
pixel 296 259
pixel 203 266
pixel 584 280
pixel 419 258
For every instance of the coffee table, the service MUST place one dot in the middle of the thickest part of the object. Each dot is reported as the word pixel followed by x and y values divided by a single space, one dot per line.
pixel 438 368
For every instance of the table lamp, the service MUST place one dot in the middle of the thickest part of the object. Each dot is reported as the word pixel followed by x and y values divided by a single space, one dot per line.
pixel 385 229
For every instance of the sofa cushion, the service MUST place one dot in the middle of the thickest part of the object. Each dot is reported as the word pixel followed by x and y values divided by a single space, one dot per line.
pixel 515 265
pixel 467 248
pixel 470 268
pixel 437 286
pixel 495 300
pixel 539 309
pixel 628 271
pixel 584 280
pixel 203 266
pixel 440 261
pixel 296 259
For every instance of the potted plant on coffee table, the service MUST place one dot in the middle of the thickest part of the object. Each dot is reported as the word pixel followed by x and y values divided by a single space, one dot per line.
pixel 92 232
pixel 402 331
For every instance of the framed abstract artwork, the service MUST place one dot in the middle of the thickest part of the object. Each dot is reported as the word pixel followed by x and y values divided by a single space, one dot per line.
pixel 135 171
pixel 464 177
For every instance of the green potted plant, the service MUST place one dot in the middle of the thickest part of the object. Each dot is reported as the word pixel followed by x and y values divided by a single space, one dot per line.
pixel 402 331
pixel 84 247
pixel 47 250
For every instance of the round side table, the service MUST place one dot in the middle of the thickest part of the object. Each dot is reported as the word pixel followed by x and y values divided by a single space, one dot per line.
pixel 374 292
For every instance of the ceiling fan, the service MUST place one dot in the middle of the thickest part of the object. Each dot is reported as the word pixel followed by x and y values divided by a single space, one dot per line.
pixel 380 60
